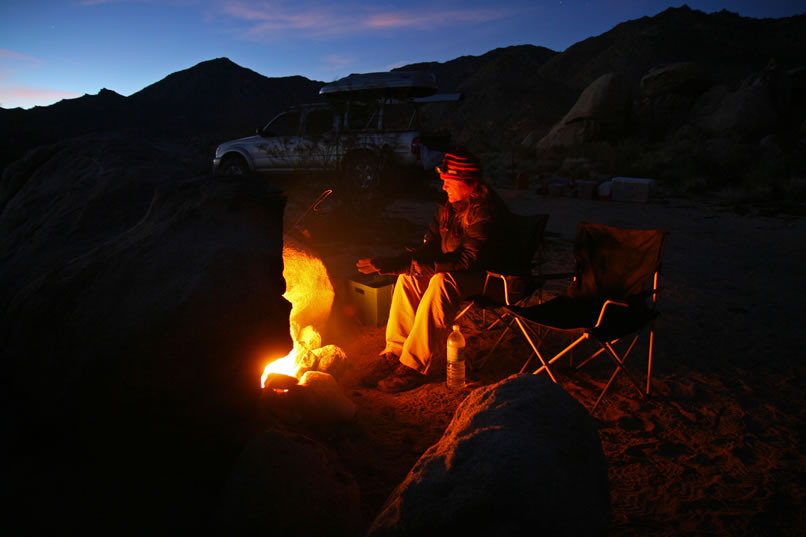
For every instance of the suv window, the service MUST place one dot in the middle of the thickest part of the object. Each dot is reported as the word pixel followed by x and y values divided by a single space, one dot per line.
pixel 358 116
pixel 318 122
pixel 398 116
pixel 284 125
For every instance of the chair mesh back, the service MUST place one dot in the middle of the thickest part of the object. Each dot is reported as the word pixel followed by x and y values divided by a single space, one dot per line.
pixel 526 237
pixel 612 262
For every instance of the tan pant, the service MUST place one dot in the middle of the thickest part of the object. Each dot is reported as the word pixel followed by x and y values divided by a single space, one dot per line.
pixel 421 314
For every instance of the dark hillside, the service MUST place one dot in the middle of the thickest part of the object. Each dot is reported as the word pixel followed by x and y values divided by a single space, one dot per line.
pixel 505 96
pixel 21 130
pixel 214 100
pixel 728 45
pixel 510 94
pixel 453 74
pixel 219 94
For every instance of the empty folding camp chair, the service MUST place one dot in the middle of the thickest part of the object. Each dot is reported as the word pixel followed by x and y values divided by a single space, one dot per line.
pixel 517 285
pixel 611 298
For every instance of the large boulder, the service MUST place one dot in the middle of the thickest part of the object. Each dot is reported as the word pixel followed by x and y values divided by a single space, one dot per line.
pixel 288 484
pixel 759 106
pixel 686 78
pixel 521 457
pixel 668 93
pixel 600 111
pixel 137 305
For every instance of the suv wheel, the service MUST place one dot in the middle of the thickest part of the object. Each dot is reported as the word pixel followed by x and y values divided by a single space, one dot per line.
pixel 362 174
pixel 233 165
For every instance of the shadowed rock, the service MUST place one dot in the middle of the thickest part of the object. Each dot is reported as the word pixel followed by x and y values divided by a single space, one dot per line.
pixel 600 111
pixel 287 484
pixel 132 344
pixel 521 457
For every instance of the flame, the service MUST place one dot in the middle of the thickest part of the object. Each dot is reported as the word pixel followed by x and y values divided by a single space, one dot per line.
pixel 287 365
pixel 310 292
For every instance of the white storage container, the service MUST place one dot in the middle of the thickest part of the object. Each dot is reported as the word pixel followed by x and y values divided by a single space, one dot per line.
pixel 632 189
pixel 372 299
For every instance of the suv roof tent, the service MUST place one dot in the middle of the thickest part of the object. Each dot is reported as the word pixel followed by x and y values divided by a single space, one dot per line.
pixel 395 84
pixel 439 98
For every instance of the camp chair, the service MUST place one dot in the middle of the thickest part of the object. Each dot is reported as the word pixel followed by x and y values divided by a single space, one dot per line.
pixel 612 297
pixel 515 286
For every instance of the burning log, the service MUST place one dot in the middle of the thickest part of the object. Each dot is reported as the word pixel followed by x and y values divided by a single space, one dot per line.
pixel 328 402
pixel 316 398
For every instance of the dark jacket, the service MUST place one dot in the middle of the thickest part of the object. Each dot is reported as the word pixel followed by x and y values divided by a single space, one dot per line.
pixel 456 244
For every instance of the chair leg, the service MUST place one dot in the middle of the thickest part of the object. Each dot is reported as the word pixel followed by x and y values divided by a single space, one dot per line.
pixel 649 362
pixel 481 363
pixel 602 394
pixel 537 352
pixel 620 363
pixel 498 319
pixel 589 358
pixel 562 353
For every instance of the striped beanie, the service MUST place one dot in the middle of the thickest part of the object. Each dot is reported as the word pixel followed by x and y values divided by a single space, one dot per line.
pixel 461 165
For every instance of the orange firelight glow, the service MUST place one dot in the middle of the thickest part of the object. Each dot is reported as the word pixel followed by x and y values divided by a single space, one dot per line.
pixel 310 292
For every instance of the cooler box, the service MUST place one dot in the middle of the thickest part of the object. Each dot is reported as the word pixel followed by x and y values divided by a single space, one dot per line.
pixel 631 189
pixel 372 298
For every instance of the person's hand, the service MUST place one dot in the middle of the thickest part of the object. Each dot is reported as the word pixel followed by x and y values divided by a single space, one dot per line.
pixel 365 266
pixel 419 268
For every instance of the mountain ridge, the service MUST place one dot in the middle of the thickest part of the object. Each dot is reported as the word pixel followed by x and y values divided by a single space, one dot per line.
pixel 510 92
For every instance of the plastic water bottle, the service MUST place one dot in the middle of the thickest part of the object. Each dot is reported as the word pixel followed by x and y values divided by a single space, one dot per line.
pixel 456 359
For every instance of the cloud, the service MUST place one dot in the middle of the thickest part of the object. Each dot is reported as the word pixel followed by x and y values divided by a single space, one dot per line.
pixel 270 18
pixel 275 19
pixel 12 62
pixel 12 55
pixel 26 97
pixel 432 20
pixel 335 62
pixel 93 3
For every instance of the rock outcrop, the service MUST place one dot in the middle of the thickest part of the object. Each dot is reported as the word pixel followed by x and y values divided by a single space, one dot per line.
pixel 288 484
pixel 759 106
pixel 601 111
pixel 521 457
pixel 137 305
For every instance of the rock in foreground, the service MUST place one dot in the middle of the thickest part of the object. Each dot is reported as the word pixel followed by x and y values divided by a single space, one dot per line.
pixel 519 457
pixel 287 484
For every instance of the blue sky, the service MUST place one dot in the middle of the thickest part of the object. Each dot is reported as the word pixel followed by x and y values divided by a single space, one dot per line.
pixel 51 50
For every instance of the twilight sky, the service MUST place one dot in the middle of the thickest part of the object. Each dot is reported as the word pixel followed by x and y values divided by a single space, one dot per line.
pixel 52 50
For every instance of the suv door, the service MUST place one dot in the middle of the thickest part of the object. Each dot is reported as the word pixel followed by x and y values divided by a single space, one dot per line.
pixel 318 146
pixel 277 146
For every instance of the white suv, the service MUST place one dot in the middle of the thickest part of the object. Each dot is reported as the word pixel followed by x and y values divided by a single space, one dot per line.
pixel 360 132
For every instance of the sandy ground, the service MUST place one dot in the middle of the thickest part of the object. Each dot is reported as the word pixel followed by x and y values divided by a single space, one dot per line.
pixel 715 450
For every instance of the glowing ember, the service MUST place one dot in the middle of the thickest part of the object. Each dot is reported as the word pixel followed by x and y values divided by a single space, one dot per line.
pixel 287 365
pixel 310 292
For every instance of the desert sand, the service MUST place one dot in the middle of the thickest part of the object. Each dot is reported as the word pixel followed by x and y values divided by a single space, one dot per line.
pixel 716 448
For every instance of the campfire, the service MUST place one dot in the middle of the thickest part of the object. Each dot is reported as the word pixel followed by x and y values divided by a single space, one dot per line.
pixel 310 292
pixel 303 385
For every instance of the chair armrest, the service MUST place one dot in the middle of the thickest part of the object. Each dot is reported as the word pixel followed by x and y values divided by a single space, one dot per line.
pixel 491 274
pixel 629 302
pixel 604 308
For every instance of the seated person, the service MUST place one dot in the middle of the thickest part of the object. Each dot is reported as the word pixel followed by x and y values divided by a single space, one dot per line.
pixel 465 239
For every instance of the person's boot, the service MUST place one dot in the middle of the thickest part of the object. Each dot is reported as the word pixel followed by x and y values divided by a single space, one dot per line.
pixel 402 379
pixel 381 369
